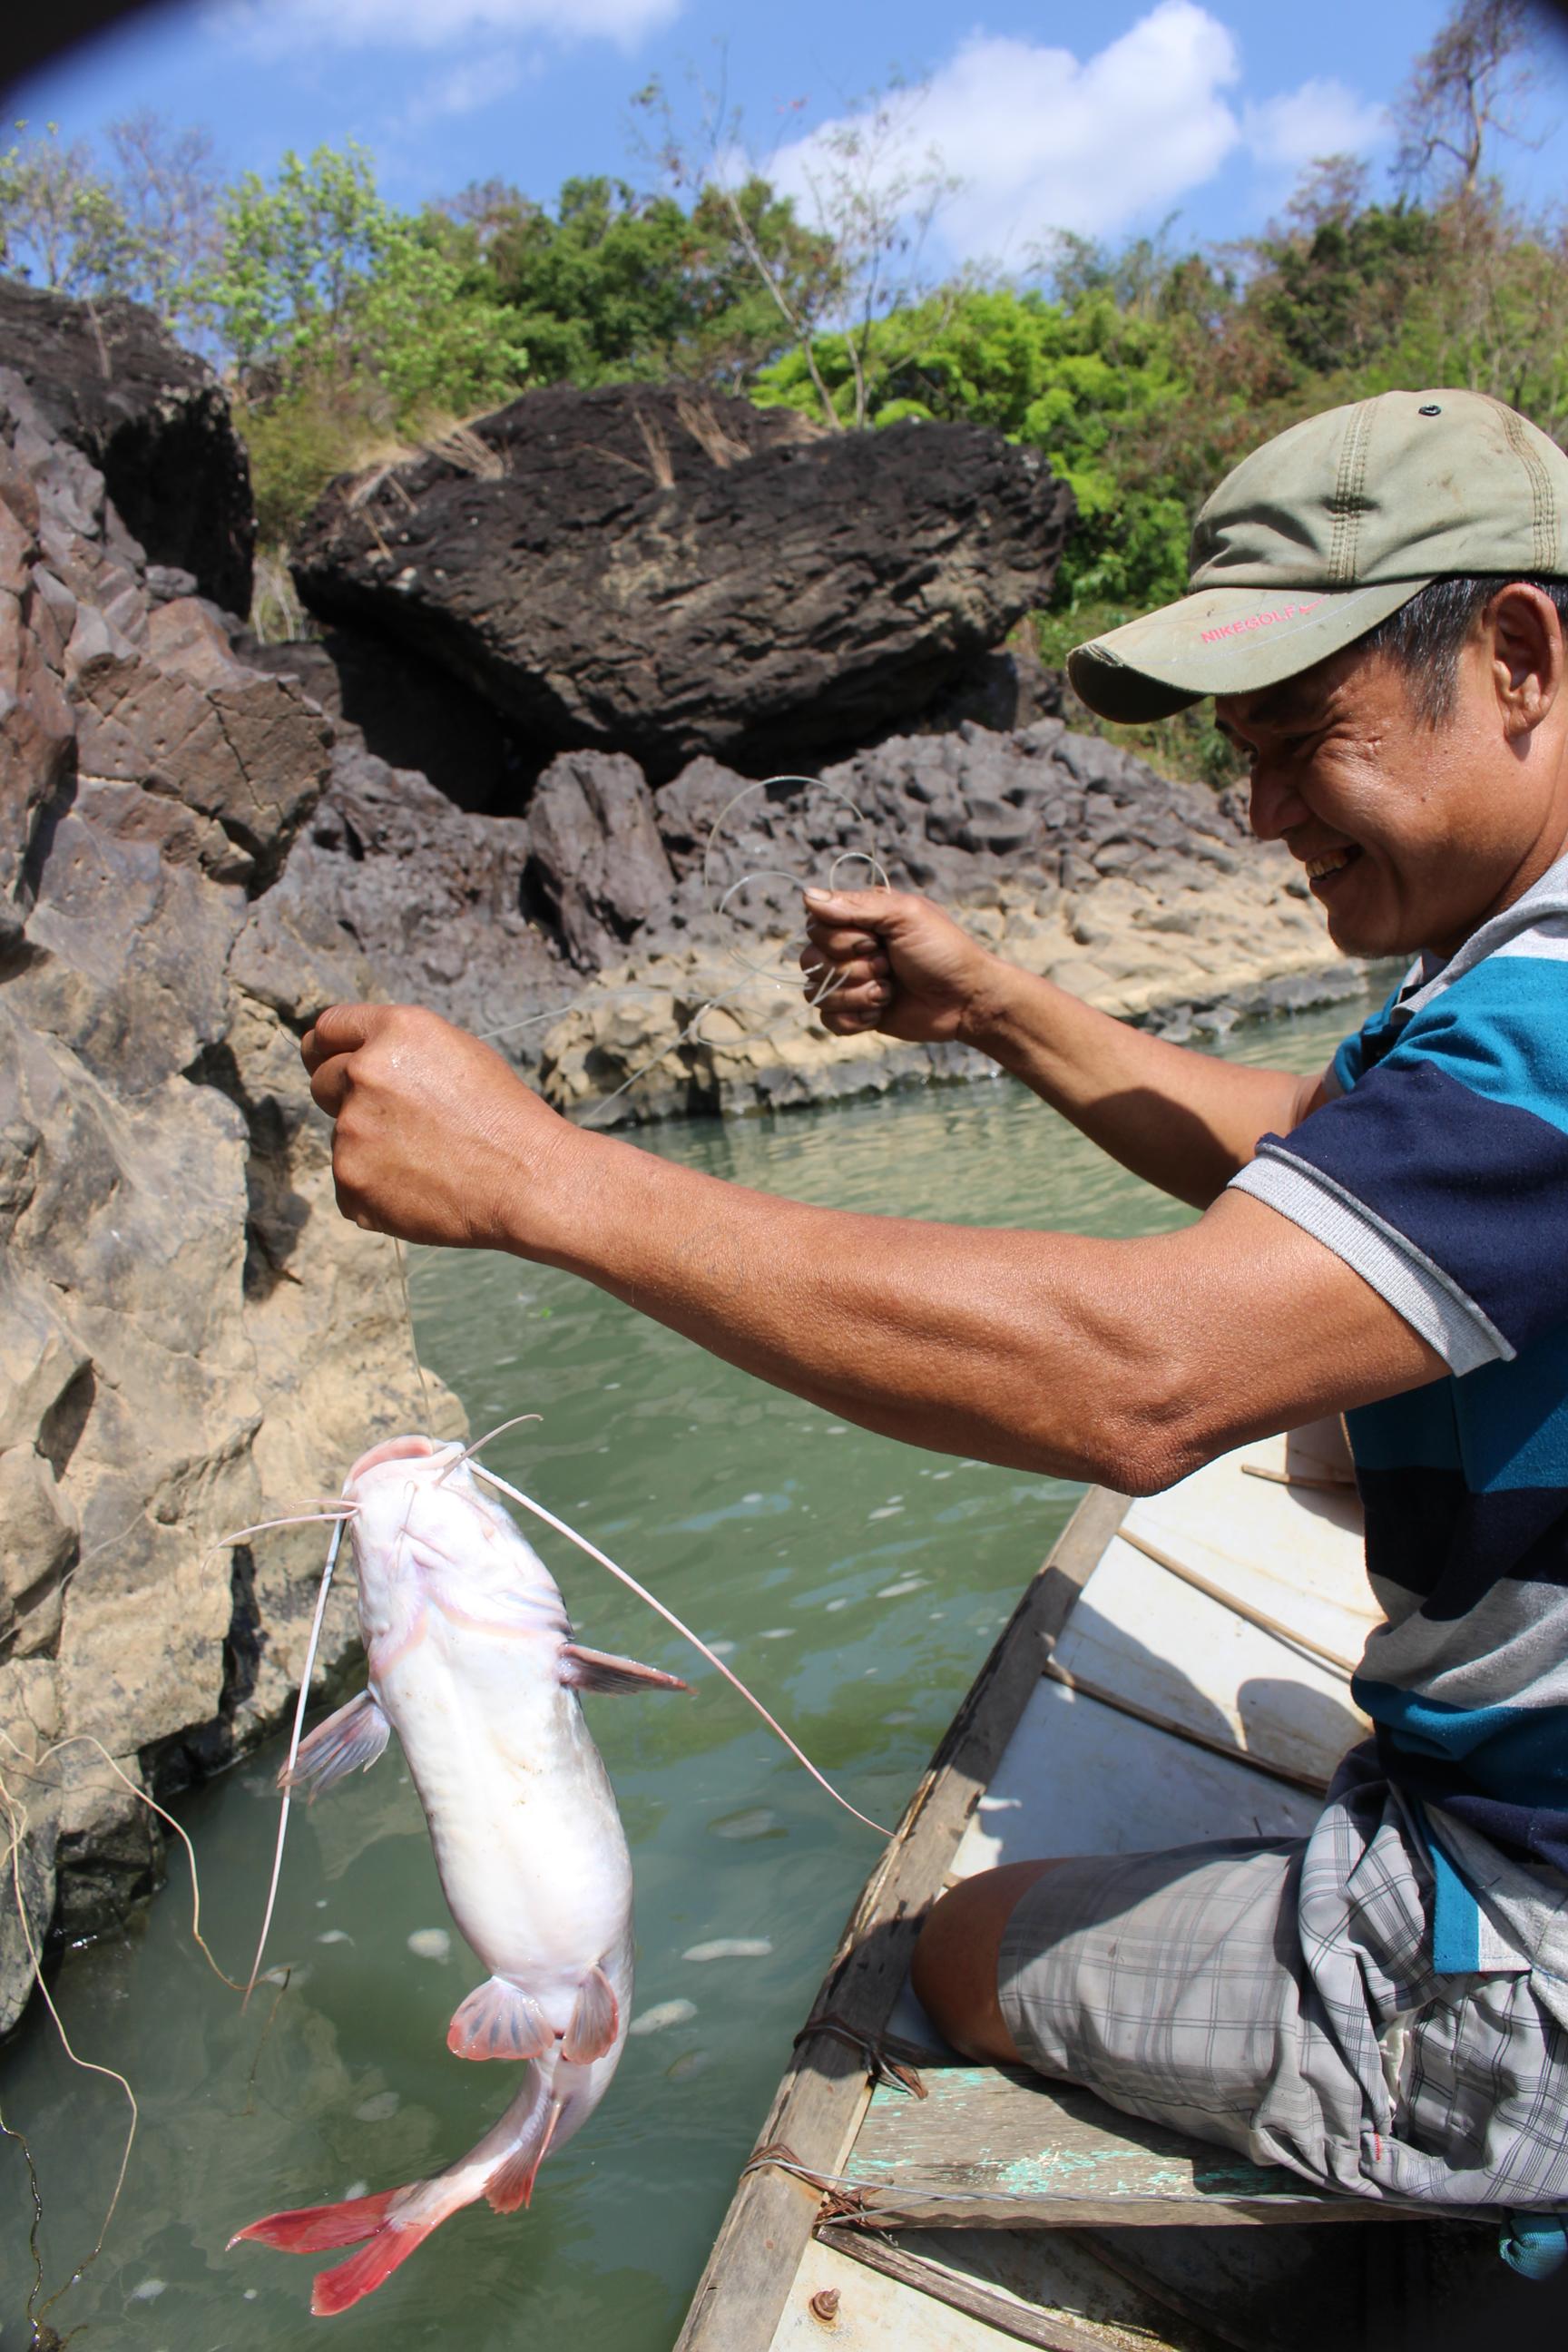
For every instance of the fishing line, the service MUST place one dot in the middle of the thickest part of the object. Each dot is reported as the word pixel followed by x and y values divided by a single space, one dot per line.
pixel 778 975
pixel 15 1822
pixel 408 1320
pixel 36 2290
pixel 492 1478
pixel 28 1769
pixel 300 1707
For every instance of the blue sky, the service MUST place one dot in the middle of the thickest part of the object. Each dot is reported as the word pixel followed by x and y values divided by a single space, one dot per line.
pixel 1106 120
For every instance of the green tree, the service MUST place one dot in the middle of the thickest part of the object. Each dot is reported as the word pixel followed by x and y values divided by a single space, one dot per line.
pixel 349 324
pixel 319 281
pixel 1085 383
pixel 612 284
pixel 61 224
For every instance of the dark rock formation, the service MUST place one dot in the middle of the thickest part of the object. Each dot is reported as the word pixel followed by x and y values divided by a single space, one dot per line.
pixel 391 892
pixel 596 860
pixel 953 815
pixel 191 1340
pixel 153 422
pixel 644 569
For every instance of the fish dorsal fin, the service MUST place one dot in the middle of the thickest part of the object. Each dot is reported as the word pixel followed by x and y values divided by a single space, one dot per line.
pixel 498 2020
pixel 597 1670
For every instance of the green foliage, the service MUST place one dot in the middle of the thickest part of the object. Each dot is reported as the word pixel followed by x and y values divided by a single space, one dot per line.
pixel 1083 382
pixel 614 285
pixel 321 282
pixel 61 224
pixel 348 328
pixel 348 324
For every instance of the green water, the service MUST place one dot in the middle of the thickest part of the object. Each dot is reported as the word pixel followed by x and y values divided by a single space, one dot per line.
pixel 861 1584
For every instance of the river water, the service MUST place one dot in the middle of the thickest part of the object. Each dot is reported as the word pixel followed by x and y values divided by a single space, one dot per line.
pixel 861 1584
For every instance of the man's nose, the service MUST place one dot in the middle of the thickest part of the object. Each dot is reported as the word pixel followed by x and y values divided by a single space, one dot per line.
pixel 1275 805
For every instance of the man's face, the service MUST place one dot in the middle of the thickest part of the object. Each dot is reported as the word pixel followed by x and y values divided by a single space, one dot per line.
pixel 1410 836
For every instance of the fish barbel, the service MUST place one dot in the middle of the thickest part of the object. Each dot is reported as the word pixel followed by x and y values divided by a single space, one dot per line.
pixel 473 1665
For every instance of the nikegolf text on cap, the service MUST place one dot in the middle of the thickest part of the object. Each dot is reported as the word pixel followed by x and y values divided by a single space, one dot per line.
pixel 1326 530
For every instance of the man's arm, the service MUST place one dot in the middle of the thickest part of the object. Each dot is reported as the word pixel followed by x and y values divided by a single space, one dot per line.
pixel 1183 1121
pixel 1128 1362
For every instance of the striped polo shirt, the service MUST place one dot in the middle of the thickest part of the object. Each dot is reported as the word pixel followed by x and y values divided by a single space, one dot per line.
pixel 1438 1169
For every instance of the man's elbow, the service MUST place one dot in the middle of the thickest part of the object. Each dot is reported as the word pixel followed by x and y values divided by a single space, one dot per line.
pixel 1148 1443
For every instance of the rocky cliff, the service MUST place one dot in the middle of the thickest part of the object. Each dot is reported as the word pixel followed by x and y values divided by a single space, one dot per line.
pixel 191 1340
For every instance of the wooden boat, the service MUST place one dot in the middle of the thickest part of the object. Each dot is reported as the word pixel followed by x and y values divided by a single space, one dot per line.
pixel 1178 1669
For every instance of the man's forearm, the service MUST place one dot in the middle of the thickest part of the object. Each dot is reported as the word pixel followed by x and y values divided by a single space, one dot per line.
pixel 1182 1120
pixel 1128 1361
pixel 1008 1346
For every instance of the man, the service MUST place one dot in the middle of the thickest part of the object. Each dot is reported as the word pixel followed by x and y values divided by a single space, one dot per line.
pixel 1377 604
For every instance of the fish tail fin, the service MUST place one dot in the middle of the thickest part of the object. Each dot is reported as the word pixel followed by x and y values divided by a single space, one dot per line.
pixel 348 2283
pixel 311 2228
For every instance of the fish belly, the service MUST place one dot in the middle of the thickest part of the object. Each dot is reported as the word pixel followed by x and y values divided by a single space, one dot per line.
pixel 527 1841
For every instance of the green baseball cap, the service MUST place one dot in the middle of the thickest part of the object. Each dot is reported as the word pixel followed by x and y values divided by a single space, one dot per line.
pixel 1326 530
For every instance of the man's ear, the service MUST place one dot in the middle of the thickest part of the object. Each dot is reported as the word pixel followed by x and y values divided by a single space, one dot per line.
pixel 1529 660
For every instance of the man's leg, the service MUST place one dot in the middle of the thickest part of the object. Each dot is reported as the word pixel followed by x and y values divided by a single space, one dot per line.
pixel 955 1965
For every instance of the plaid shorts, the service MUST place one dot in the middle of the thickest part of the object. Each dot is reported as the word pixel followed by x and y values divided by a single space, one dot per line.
pixel 1278 1998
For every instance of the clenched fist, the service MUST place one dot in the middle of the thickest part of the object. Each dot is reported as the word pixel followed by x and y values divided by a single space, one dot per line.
pixel 437 1139
pixel 887 959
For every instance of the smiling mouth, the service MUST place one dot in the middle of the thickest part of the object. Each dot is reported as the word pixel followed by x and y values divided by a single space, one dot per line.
pixel 1331 861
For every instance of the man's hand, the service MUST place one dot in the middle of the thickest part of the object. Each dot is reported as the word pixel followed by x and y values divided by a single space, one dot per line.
pixel 897 963
pixel 437 1140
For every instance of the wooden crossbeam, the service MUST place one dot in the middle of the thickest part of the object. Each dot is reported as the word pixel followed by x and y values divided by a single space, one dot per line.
pixel 997 2149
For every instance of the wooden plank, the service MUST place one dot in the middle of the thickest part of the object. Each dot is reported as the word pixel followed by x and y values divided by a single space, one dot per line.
pixel 1177 1656
pixel 926 2282
pixel 881 2306
pixel 1293 1558
pixel 823 2096
pixel 993 2147
pixel 1078 1777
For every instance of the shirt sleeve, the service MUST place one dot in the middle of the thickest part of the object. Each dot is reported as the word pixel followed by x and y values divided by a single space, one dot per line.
pixel 1441 1175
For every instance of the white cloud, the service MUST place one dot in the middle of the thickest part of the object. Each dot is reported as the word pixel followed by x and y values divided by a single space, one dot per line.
pixel 467 87
pixel 1042 141
pixel 1321 118
pixel 277 28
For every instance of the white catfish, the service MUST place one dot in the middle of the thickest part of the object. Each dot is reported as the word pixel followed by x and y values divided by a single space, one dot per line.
pixel 473 1665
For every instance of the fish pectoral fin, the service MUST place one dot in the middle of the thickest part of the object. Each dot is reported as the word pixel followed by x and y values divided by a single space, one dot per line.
pixel 513 2185
pixel 498 2020
pixel 595 1670
pixel 349 1741
pixel 594 2021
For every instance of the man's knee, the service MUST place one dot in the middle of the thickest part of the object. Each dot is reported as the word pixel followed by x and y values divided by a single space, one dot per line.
pixel 954 1967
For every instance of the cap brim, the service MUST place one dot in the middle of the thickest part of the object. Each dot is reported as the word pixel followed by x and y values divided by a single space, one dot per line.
pixel 1223 641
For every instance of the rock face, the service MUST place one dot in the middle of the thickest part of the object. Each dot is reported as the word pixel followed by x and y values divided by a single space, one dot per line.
pixel 154 423
pixel 1065 853
pixel 645 570
pixel 190 1338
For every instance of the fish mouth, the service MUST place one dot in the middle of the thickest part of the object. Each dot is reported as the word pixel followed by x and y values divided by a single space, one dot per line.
pixel 396 1449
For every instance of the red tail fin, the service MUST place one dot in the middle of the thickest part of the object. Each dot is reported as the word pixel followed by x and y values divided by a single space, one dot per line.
pixel 334 2290
pixel 312 2229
